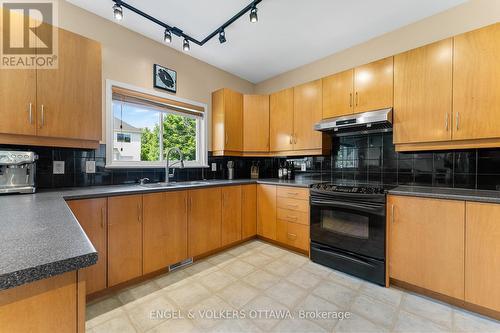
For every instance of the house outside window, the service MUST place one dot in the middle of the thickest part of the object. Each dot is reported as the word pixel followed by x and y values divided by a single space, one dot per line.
pixel 143 125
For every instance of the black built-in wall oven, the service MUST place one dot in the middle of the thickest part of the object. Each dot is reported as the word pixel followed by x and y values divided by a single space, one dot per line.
pixel 348 228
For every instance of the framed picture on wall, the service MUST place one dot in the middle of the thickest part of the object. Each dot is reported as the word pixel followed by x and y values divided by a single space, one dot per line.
pixel 164 78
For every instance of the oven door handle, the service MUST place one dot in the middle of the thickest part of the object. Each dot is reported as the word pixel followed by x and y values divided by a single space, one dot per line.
pixel 346 257
pixel 375 209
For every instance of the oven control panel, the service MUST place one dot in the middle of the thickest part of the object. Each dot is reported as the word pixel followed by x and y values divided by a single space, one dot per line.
pixel 348 189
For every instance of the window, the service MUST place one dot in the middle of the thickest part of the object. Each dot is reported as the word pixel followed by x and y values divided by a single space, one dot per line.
pixel 143 126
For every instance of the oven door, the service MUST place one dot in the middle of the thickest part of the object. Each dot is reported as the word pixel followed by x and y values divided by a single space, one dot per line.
pixel 350 223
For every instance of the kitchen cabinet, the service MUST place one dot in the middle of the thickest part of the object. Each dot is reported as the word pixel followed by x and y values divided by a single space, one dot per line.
pixel 165 230
pixel 248 211
pixel 92 216
pixel 281 120
pixel 423 94
pixel 266 211
pixel 49 107
pixel 124 238
pixel 307 111
pixel 204 221
pixel 227 122
pixel 373 86
pixel 338 95
pixel 255 123
pixel 482 255
pixel 231 215
pixel 293 217
pixel 476 84
pixel 426 243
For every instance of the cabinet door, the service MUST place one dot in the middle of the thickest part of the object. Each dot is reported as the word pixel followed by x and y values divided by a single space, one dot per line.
pixel 426 243
pixel 281 120
pixel 204 221
pixel 338 95
pixel 69 97
pixel 165 229
pixel 482 255
pixel 92 216
pixel 248 211
pixel 307 111
pixel 373 86
pixel 18 101
pixel 476 84
pixel 256 123
pixel 423 93
pixel 233 120
pixel 231 214
pixel 124 238
pixel 266 211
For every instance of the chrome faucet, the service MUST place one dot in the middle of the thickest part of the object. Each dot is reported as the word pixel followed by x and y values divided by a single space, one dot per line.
pixel 167 167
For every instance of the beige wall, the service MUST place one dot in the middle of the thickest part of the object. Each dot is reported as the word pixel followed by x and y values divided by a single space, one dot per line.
pixel 466 17
pixel 129 57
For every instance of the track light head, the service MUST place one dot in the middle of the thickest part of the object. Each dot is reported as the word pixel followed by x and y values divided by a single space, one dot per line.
pixel 167 37
pixel 185 45
pixel 222 36
pixel 253 14
pixel 117 12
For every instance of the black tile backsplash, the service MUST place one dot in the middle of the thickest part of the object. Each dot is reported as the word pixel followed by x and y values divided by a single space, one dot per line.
pixel 363 158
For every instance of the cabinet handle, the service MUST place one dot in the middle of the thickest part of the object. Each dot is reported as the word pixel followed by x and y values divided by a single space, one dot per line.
pixel 357 98
pixel 293 206
pixel 294 218
pixel 292 236
pixel 31 113
pixel 458 118
pixel 227 139
pixel 292 193
pixel 295 138
pixel 139 212
pixel 102 217
pixel 186 204
pixel 392 213
pixel 446 121
pixel 350 100
pixel 43 117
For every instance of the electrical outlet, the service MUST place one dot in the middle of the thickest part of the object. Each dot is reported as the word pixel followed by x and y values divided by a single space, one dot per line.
pixel 90 167
pixel 214 166
pixel 303 167
pixel 58 167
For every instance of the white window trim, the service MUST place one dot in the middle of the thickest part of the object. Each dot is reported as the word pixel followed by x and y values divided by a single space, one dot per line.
pixel 201 133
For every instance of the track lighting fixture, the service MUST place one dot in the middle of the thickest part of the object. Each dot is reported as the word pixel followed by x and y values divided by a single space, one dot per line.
pixel 167 37
pixel 171 30
pixel 253 14
pixel 118 12
pixel 222 36
pixel 185 45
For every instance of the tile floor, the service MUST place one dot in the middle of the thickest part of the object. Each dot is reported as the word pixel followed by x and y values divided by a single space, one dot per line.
pixel 271 290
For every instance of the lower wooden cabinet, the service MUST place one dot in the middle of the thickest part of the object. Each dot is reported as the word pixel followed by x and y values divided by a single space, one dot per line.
pixel 248 211
pixel 124 238
pixel 426 246
pixel 266 211
pixel 231 215
pixel 482 255
pixel 165 230
pixel 204 221
pixel 92 216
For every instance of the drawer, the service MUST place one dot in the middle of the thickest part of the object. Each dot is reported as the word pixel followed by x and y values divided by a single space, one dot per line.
pixel 293 192
pixel 293 204
pixel 293 216
pixel 298 236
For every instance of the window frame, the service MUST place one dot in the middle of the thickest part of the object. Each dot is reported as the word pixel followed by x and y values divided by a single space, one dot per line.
pixel 201 131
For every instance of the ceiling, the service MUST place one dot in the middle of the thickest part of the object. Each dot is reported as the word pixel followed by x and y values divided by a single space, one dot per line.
pixel 289 34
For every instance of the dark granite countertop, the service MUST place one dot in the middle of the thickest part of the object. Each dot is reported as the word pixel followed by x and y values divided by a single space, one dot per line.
pixel 40 237
pixel 448 193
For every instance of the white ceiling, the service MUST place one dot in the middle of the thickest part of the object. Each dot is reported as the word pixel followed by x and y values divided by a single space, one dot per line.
pixel 289 34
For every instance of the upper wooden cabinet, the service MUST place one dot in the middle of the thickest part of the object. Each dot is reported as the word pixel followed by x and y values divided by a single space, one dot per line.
pixel 231 215
pixel 307 111
pixel 255 123
pixel 281 120
pixel 373 86
pixel 423 94
pixel 204 221
pixel 227 122
pixel 165 230
pixel 266 211
pixel 482 253
pixel 55 107
pixel 92 216
pixel 426 243
pixel 476 84
pixel 124 238
pixel 338 94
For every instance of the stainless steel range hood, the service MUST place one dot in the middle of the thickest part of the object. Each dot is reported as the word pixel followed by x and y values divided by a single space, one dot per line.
pixel 361 123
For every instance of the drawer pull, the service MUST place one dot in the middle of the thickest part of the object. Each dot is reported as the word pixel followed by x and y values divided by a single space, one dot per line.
pixel 293 206
pixel 292 217
pixel 292 236
pixel 292 193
